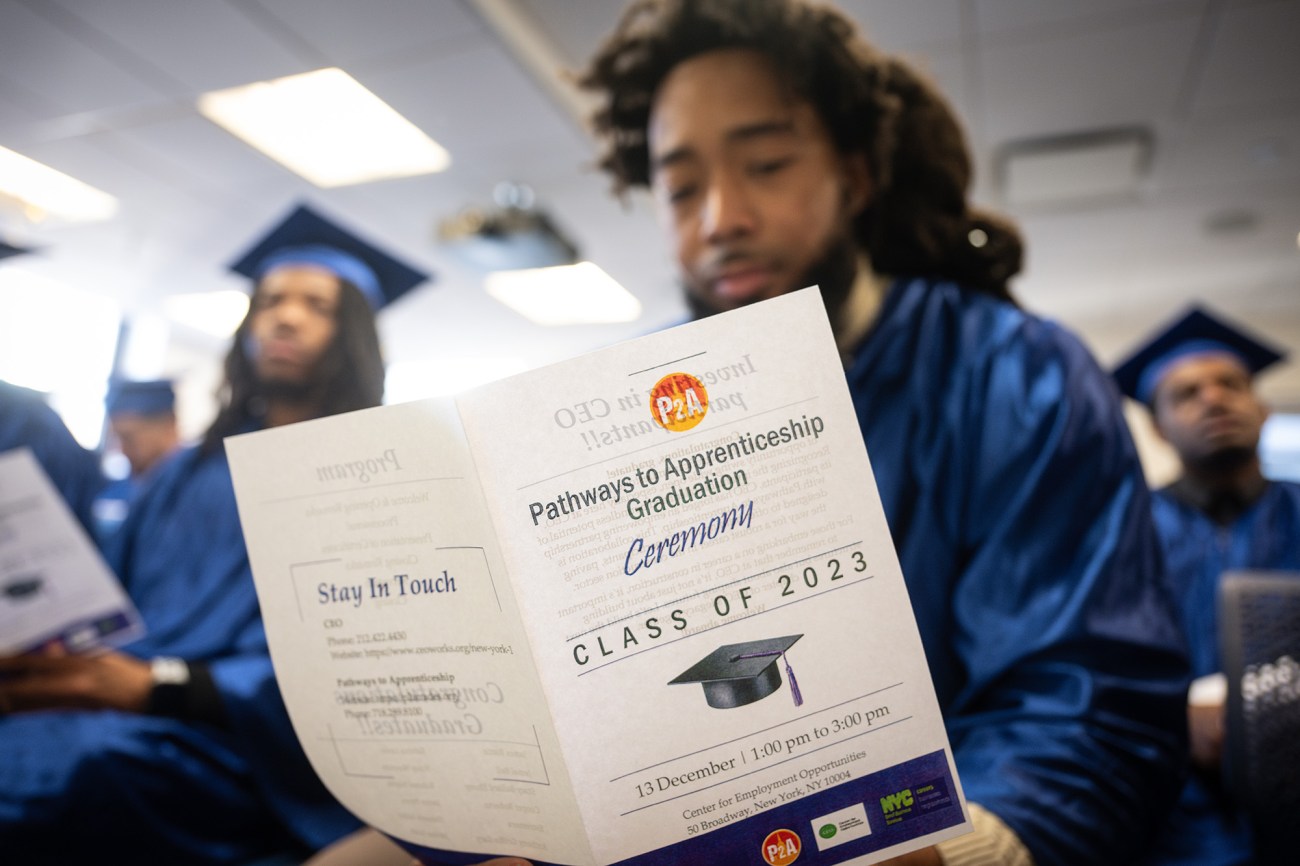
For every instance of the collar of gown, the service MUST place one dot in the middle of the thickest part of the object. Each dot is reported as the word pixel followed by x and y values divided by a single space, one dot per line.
pixel 861 309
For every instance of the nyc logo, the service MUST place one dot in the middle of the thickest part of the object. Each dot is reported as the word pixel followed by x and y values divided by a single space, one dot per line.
pixel 893 802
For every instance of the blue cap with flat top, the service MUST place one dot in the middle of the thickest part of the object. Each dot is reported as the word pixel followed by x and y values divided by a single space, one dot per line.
pixel 149 397
pixel 1196 332
pixel 305 237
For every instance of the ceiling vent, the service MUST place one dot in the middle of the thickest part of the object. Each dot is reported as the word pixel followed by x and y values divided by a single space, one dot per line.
pixel 1074 168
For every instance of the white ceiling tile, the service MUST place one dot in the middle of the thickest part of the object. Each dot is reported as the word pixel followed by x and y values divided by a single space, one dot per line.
pixel 904 26
pixel 1091 80
pixel 1253 60
pixel 574 28
pixel 192 47
pixel 356 33
pixel 1002 16
pixel 480 105
pixel 56 66
pixel 1235 154
pixel 1081 264
pixel 16 118
pixel 210 158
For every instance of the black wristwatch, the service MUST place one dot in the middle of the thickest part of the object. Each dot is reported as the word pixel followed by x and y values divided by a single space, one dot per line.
pixel 171 680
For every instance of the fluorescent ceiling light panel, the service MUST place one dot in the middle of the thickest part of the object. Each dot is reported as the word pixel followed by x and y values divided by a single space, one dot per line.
pixel 215 313
pixel 42 192
pixel 326 127
pixel 580 294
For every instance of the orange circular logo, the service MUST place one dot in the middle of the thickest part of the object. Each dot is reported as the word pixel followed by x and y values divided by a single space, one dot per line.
pixel 781 847
pixel 678 402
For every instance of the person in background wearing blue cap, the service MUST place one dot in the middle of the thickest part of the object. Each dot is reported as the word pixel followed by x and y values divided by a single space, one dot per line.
pixel 783 151
pixel 142 421
pixel 1196 376
pixel 178 749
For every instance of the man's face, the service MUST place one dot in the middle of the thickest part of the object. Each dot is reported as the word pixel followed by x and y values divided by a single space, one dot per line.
pixel 144 439
pixel 747 180
pixel 294 319
pixel 1206 408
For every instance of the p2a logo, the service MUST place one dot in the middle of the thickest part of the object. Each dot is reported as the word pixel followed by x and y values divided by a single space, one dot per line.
pixel 678 402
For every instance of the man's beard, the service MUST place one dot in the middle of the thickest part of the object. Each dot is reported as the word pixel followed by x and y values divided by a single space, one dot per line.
pixel 833 273
pixel 1223 461
pixel 286 391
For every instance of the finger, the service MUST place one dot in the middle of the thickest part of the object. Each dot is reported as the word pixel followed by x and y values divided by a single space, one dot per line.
pixel 33 694
pixel 50 662
pixel 66 689
pixel 16 666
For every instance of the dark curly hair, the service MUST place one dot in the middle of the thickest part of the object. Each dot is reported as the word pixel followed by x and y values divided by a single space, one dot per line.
pixel 350 376
pixel 919 221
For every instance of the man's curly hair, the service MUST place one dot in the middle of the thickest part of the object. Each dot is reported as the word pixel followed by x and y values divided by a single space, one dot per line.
pixel 919 221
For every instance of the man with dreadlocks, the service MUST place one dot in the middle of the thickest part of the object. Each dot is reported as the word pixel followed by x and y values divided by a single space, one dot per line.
pixel 783 151
pixel 178 749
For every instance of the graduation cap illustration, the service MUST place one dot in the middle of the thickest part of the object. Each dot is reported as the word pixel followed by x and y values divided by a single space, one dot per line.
pixel 143 397
pixel 741 673
pixel 1196 332
pixel 305 237
pixel 23 587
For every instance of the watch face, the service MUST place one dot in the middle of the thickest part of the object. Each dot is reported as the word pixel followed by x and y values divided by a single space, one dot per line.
pixel 169 672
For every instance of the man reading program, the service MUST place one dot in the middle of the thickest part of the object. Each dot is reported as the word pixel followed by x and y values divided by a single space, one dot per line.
pixel 783 151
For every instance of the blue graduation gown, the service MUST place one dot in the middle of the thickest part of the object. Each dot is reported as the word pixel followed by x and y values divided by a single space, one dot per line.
pixel 1024 530
pixel 112 505
pixel 140 789
pixel 1206 829
pixel 26 420
pixel 1198 551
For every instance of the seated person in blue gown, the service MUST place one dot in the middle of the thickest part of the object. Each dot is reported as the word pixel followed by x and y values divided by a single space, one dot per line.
pixel 178 749
pixel 782 151
pixel 1196 376
pixel 142 421
pixel 27 421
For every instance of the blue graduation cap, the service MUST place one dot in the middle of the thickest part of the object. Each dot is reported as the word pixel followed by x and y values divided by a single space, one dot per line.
pixel 1196 332
pixel 150 397
pixel 304 237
